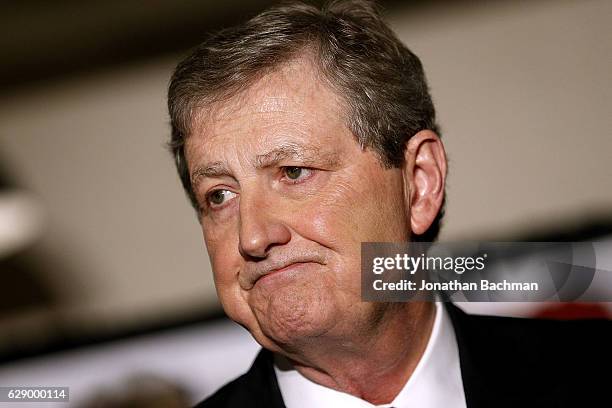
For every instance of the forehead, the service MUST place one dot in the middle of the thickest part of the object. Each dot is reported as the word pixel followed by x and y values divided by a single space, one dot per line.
pixel 291 105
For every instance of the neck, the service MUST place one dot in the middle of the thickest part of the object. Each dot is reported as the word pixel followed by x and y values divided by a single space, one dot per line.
pixel 375 364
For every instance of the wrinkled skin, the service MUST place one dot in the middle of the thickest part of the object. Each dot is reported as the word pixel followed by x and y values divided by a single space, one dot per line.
pixel 287 195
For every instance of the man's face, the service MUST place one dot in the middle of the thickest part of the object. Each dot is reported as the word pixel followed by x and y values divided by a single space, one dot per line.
pixel 287 196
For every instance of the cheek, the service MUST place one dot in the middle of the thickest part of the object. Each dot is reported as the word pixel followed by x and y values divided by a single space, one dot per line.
pixel 332 221
pixel 226 262
pixel 222 249
pixel 354 213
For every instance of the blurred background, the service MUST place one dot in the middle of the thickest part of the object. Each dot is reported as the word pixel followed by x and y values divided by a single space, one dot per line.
pixel 105 283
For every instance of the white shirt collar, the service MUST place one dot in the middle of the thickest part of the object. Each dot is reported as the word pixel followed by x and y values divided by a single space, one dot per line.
pixel 435 383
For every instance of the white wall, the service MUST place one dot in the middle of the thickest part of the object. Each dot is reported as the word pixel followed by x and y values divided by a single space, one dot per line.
pixel 524 97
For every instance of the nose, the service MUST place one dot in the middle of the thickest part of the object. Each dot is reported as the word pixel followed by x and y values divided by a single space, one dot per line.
pixel 261 227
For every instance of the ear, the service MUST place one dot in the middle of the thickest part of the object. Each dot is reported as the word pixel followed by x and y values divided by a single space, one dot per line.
pixel 424 172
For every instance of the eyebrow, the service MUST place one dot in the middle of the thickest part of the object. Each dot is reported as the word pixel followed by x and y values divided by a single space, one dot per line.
pixel 216 169
pixel 304 154
pixel 277 155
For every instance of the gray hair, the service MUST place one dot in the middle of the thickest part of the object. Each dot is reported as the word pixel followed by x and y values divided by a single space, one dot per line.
pixel 380 80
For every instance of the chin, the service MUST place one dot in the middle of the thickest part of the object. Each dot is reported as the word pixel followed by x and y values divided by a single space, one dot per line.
pixel 290 317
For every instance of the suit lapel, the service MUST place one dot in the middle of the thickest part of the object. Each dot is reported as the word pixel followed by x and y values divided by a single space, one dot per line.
pixel 263 383
pixel 500 365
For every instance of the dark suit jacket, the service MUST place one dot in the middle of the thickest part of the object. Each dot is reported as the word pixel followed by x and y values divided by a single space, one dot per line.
pixel 505 362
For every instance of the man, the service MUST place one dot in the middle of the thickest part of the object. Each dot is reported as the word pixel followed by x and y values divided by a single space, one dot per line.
pixel 297 136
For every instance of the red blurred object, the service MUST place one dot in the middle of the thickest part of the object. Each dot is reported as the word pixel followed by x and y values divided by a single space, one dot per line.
pixel 575 311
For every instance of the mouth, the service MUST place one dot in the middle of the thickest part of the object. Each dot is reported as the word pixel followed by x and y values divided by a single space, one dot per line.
pixel 285 265
pixel 295 266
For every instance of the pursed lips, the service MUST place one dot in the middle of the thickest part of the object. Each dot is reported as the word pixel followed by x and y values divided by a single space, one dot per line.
pixel 283 269
pixel 254 271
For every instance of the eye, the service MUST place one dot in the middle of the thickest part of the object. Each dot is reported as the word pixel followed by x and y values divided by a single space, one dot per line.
pixel 296 174
pixel 216 198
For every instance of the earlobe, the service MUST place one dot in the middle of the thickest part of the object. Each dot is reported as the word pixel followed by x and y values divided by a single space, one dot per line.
pixel 425 176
